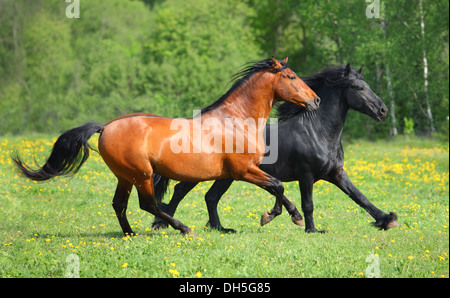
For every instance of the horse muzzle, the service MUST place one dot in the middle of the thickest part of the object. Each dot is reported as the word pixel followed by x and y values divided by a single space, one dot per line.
pixel 314 105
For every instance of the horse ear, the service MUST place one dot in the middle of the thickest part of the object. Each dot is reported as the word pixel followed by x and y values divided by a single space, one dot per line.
pixel 285 60
pixel 361 69
pixel 347 69
pixel 276 63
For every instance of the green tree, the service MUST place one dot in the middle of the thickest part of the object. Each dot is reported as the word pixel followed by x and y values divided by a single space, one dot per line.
pixel 190 58
pixel 170 57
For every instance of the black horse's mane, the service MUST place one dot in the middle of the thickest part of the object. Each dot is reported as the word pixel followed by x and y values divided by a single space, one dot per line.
pixel 331 77
pixel 238 79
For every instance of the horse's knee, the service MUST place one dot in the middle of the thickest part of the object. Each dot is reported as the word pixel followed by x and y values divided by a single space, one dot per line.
pixel 278 187
pixel 119 206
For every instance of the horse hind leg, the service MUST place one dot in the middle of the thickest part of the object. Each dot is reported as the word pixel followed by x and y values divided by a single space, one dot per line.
pixel 120 202
pixel 296 217
pixel 212 198
pixel 147 202
pixel 180 192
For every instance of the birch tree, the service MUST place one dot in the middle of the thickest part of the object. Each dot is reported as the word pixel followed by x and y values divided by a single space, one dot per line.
pixel 425 68
pixel 390 89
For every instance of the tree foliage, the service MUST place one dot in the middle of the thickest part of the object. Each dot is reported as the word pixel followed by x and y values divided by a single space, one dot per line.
pixel 169 57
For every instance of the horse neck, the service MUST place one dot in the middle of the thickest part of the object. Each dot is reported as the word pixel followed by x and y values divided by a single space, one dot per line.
pixel 330 117
pixel 254 99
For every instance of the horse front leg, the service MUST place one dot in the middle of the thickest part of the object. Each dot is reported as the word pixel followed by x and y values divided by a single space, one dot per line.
pixel 272 185
pixel 306 191
pixel 383 221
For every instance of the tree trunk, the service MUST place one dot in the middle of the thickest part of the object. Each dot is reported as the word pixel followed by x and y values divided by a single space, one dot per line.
pixel 425 69
pixel 278 31
pixel 392 99
pixel 394 130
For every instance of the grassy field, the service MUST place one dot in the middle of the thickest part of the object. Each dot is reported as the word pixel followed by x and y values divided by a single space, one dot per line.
pixel 65 226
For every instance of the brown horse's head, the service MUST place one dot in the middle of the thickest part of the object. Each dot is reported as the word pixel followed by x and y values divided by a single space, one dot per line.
pixel 289 87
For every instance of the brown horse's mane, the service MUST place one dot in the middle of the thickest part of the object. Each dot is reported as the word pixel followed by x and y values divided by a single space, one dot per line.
pixel 238 79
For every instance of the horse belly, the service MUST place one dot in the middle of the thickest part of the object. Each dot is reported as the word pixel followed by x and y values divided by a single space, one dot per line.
pixel 190 167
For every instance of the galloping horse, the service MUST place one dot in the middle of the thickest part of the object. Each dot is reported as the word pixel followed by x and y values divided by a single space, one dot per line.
pixel 136 146
pixel 309 149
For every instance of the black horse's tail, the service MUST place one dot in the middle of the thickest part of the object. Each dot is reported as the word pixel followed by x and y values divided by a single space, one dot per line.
pixel 160 185
pixel 69 153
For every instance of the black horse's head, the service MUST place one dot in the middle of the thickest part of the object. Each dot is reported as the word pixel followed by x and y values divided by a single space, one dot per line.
pixel 346 83
pixel 360 97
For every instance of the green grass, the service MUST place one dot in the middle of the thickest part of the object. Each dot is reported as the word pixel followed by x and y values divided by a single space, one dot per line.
pixel 44 223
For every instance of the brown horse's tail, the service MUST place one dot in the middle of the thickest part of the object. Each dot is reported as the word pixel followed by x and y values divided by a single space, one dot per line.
pixel 69 153
pixel 160 184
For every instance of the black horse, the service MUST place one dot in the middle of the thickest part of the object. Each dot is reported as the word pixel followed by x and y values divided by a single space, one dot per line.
pixel 309 149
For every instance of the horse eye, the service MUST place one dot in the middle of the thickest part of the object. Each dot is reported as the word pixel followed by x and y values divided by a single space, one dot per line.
pixel 293 78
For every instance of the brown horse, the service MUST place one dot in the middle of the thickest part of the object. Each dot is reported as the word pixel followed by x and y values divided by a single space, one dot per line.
pixel 136 146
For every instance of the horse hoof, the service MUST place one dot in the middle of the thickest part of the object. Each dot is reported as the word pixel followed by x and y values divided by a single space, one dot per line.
pixel 387 222
pixel 298 222
pixel 187 232
pixel 315 231
pixel 231 231
pixel 264 219
pixel 159 225
pixel 392 224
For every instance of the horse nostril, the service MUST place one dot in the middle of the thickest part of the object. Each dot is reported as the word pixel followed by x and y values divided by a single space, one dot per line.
pixel 383 111
pixel 317 101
